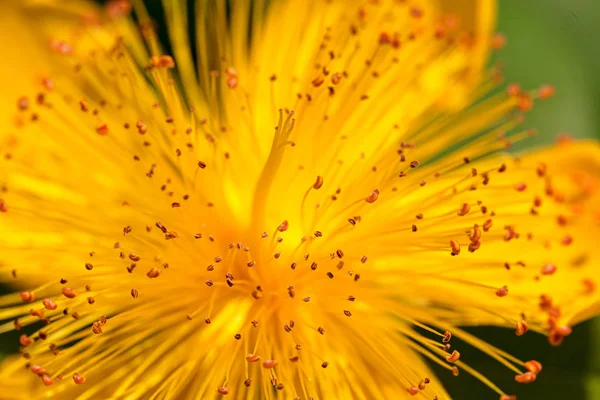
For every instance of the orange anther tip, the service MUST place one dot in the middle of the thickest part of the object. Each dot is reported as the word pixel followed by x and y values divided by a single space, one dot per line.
pixel 25 341
pixel 47 380
pixel 503 291
pixel 372 197
pixel 498 41
pixel 513 90
pixel 546 91
pixel 223 390
pixel 49 304
pixel 318 81
pixel 508 397
pixel 78 379
pixel 270 363
pixel 464 209
pixel 522 328
pixel 455 247
pixel 162 62
pixel 453 357
pixel 38 370
pixel 102 129
pixel 564 330
pixel 232 82
pixel 447 337
pixel 69 293
pixel 533 366
pixel 527 377
pixel 520 187
pixel 252 358
pixel 318 183
pixel 27 297
pixel 548 269
pixel 283 226
pixel 525 102
pixel 413 390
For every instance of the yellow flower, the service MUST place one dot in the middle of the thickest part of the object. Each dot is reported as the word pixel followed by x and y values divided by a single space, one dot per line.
pixel 305 199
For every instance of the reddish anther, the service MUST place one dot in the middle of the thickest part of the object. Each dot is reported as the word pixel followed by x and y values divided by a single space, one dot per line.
pixel 546 91
pixel 78 379
pixel 527 377
pixel 413 390
pixel 548 269
pixel 102 129
pixel 223 390
pixel 27 297
pixel 372 197
pixel 533 366
pixel 283 226
pixel 521 328
pixel 269 364
pixel 318 183
pixel 452 358
pixel 25 340
pixel 47 380
pixel 455 248
pixel 69 293
pixel 464 209
pixel 49 304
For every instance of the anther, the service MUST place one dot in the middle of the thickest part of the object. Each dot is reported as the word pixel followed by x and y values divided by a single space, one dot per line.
pixel 49 304
pixel 269 364
pixel 47 380
pixel 464 209
pixel 455 247
pixel 527 377
pixel 452 358
pixel 68 293
pixel 25 341
pixel 447 337
pixel 318 81
pixel 413 390
pixel 102 129
pixel 476 234
pixel 153 273
pixel 548 269
pixel 223 390
pixel 283 226
pixel 78 379
pixel 318 183
pixel 503 291
pixel 252 357
pixel 487 225
pixel 96 328
pixel 372 197
pixel 27 297
pixel 521 328
pixel 533 366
